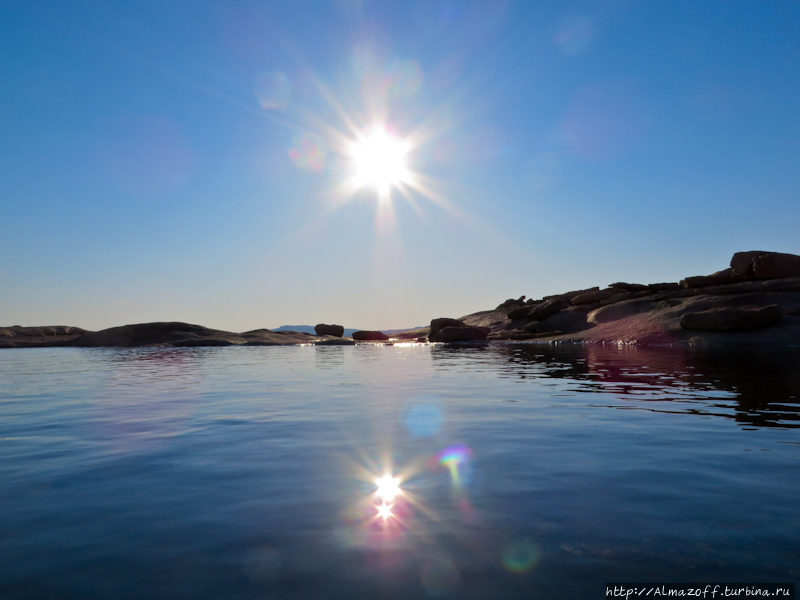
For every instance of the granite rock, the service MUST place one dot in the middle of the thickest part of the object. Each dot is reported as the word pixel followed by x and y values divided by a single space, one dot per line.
pixel 334 330
pixel 370 335
pixel 732 318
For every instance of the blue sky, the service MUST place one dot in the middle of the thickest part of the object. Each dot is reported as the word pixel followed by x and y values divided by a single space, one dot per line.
pixel 148 173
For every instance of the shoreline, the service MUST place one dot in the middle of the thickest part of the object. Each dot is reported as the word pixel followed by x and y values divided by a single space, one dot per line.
pixel 756 301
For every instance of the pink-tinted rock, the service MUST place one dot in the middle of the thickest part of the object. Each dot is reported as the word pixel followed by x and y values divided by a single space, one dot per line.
pixel 616 298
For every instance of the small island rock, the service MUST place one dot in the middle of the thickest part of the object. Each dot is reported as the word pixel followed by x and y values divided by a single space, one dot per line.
pixel 441 323
pixel 460 334
pixel 334 330
pixel 370 335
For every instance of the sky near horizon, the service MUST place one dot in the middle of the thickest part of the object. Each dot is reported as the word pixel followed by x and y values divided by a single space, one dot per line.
pixel 193 161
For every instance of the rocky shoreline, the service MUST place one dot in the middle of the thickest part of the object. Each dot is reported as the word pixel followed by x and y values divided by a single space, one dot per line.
pixel 754 301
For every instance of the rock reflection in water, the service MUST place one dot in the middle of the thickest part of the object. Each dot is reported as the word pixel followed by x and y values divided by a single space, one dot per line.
pixel 757 387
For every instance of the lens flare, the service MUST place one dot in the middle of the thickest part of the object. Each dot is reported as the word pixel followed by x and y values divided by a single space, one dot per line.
pixel 388 487
pixel 385 511
pixel 453 458
pixel 308 152
pixel 520 556
pixel 379 160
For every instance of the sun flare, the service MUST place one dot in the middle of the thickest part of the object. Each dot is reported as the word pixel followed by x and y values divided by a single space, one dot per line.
pixel 379 159
pixel 385 511
pixel 388 488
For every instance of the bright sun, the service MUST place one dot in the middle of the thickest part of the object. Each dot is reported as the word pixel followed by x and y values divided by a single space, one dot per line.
pixel 380 161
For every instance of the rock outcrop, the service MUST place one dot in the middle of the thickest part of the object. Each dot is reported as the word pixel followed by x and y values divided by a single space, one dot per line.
pixel 455 330
pixel 732 318
pixel 775 265
pixel 51 335
pixel 750 265
pixel 755 300
pixel 164 334
pixel 441 323
pixel 334 330
pixel 460 334
pixel 370 336
pixel 511 303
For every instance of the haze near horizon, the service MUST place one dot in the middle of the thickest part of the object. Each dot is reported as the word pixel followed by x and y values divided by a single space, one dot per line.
pixel 252 164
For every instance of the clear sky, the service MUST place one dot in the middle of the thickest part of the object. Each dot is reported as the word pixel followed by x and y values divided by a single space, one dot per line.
pixel 198 161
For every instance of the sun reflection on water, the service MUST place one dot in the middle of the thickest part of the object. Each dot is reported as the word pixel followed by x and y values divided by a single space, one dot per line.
pixel 419 513
pixel 388 487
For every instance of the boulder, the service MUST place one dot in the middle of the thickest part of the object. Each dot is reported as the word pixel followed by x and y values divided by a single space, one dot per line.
pixel 570 295
pixel 370 335
pixel 615 312
pixel 334 330
pixel 628 287
pixel 591 297
pixel 732 318
pixel 460 334
pixel 441 323
pixel 566 321
pixel 616 298
pixel 742 262
pixel 550 307
pixel 723 277
pixel 511 303
pixel 776 265
pixel 664 287
pixel 520 313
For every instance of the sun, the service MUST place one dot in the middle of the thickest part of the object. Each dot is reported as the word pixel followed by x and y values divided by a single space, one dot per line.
pixel 379 160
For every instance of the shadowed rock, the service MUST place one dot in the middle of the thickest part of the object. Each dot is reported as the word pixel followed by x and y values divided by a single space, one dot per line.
pixel 616 298
pixel 370 335
pixel 460 334
pixel 441 323
pixel 628 287
pixel 51 335
pixel 662 287
pixel 545 309
pixel 776 266
pixel 615 312
pixel 520 313
pixel 334 330
pixel 145 334
pixel 742 262
pixel 512 303
pixel 732 318
pixel 570 295
pixel 591 297
pixel 723 277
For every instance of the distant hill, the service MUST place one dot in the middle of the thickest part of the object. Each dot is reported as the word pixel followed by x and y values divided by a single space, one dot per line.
pixel 310 329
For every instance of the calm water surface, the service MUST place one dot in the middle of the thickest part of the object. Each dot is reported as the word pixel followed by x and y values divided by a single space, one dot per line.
pixel 525 471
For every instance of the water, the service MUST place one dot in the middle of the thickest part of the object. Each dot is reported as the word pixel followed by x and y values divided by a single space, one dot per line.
pixel 526 471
